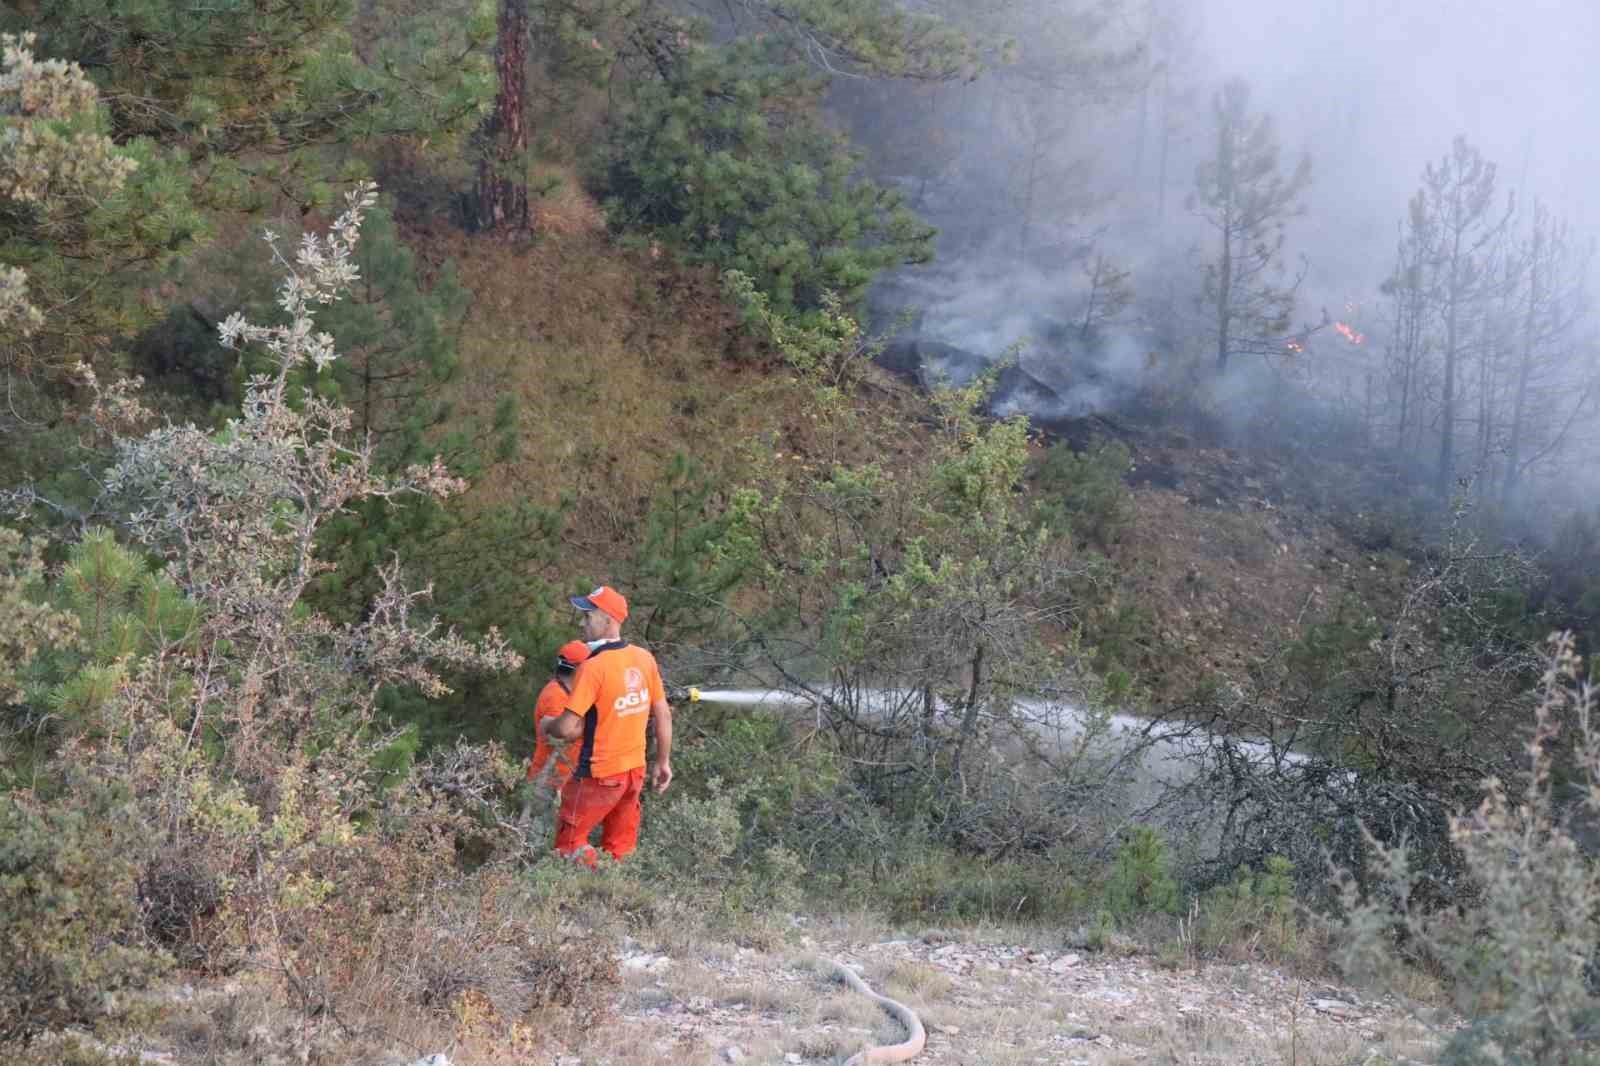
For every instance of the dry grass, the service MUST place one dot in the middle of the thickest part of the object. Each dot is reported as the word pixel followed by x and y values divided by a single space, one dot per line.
pixel 989 1000
pixel 1223 584
pixel 616 360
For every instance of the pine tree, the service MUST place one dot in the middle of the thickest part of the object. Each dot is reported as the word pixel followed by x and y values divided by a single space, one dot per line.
pixel 1242 194
pixel 80 217
pixel 1549 388
pixel 1452 227
pixel 724 157
pixel 248 90
pixel 721 148
pixel 690 558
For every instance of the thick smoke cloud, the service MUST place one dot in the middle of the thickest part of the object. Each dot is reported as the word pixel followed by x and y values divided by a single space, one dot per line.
pixel 1037 169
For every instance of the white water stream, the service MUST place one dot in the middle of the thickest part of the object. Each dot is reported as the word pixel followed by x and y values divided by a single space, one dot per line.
pixel 1061 721
pixel 1170 756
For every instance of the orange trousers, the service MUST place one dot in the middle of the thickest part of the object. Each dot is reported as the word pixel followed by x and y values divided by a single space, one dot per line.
pixel 609 802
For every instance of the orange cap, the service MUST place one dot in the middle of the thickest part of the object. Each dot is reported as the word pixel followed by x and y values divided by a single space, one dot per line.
pixel 605 599
pixel 572 653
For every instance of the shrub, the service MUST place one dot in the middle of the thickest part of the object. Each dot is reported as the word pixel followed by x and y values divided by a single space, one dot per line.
pixel 1083 492
pixel 1141 878
pixel 1254 916
pixel 241 719
pixel 70 928
pixel 484 936
pixel 1519 954
pixel 29 629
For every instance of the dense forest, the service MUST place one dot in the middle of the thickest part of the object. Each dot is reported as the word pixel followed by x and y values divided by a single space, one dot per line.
pixel 1143 516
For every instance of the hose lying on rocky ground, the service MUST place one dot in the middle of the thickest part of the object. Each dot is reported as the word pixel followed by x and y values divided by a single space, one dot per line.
pixel 916 1036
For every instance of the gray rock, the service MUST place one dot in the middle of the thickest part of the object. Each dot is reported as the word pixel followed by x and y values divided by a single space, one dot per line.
pixel 1335 1008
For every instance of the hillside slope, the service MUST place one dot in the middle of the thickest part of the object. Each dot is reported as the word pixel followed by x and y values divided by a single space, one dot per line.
pixel 621 359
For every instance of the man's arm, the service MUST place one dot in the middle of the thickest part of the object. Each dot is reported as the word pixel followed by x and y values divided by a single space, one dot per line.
pixel 563 726
pixel 661 715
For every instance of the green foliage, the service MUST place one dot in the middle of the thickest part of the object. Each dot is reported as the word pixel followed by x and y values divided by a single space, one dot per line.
pixel 252 788
pixel 1141 879
pixel 1255 915
pixel 483 561
pixel 733 822
pixel 1518 954
pixel 724 156
pixel 82 216
pixel 1327 648
pixel 77 639
pixel 767 814
pixel 1389 720
pixel 124 612
pixel 901 564
pixel 28 626
pixel 1083 494
pixel 247 89
pixel 70 925
pixel 694 552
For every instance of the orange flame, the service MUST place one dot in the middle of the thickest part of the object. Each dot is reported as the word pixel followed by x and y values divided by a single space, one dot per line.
pixel 1295 346
pixel 1349 334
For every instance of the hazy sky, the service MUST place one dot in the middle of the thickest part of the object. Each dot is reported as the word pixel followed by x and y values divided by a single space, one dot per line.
pixel 1372 89
pixel 1378 87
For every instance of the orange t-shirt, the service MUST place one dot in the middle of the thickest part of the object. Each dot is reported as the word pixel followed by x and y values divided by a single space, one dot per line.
pixel 552 701
pixel 612 693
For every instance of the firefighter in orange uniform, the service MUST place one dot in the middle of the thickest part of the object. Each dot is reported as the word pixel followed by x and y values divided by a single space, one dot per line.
pixel 552 700
pixel 615 692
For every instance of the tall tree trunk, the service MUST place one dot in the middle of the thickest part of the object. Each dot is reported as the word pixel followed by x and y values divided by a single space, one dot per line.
pixel 1447 405
pixel 1027 201
pixel 1486 411
pixel 1519 407
pixel 1224 296
pixel 502 183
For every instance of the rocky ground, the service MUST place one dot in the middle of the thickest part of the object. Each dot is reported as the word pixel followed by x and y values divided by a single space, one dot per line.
pixel 999 998
pixel 991 1001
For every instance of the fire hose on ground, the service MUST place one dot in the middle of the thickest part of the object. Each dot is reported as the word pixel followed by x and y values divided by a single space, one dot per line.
pixel 904 1051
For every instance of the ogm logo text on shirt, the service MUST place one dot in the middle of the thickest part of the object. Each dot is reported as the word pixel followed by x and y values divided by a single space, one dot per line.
pixel 636 699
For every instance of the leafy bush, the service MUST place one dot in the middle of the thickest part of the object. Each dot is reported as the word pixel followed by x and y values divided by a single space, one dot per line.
pixel 1384 721
pixel 922 880
pixel 70 924
pixel 271 820
pixel 28 627
pixel 919 587
pixel 1082 493
pixel 732 831
pixel 689 558
pixel 1519 954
